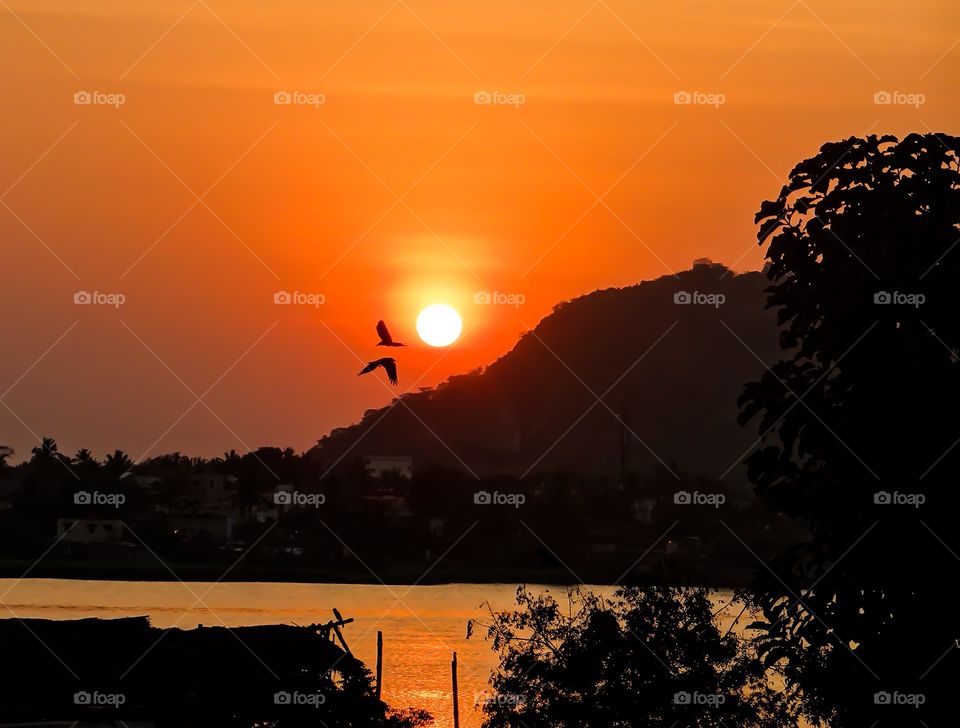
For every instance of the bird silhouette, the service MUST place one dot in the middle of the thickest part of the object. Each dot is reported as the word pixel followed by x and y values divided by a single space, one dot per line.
pixel 385 338
pixel 388 363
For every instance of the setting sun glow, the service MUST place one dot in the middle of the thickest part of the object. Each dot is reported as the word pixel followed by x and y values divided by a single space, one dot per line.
pixel 439 325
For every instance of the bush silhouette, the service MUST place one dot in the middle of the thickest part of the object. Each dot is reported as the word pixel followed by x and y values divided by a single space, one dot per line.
pixel 644 657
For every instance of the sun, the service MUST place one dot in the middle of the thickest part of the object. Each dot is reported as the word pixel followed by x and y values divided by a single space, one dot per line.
pixel 439 325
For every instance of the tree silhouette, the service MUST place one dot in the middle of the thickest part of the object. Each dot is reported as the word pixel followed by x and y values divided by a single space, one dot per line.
pixel 117 463
pixel 83 455
pixel 49 477
pixel 45 451
pixel 645 657
pixel 5 453
pixel 85 465
pixel 858 424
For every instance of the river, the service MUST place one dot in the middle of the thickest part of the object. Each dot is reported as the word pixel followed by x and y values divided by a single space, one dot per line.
pixel 422 625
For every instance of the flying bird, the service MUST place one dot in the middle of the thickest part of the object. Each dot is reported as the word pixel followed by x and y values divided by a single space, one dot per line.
pixel 385 338
pixel 388 363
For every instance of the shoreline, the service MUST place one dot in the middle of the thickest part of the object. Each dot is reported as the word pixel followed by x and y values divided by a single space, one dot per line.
pixel 18 569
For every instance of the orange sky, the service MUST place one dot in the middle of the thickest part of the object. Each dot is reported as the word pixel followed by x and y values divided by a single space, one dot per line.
pixel 396 192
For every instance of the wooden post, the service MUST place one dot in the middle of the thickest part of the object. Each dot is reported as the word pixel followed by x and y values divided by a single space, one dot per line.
pixel 456 699
pixel 336 629
pixel 379 662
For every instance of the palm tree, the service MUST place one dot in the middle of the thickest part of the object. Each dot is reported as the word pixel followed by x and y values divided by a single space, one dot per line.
pixel 85 464
pixel 50 472
pixel 83 456
pixel 46 452
pixel 117 464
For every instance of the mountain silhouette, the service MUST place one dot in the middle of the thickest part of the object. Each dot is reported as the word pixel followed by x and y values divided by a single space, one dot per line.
pixel 671 370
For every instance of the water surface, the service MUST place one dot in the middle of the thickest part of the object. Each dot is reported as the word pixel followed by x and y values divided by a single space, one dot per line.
pixel 422 625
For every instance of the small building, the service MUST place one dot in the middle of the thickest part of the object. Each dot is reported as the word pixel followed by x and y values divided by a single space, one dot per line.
pixel 90 530
pixel 216 527
pixel 150 484
pixel 642 509
pixel 378 465
pixel 393 505
pixel 213 489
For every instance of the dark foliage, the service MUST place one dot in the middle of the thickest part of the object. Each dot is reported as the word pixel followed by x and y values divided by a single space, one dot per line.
pixel 644 657
pixel 860 422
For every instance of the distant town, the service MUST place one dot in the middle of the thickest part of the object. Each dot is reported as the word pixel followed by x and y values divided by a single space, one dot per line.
pixel 274 514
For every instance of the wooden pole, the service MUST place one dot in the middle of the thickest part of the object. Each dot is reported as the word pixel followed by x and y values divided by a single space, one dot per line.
pixel 336 629
pixel 456 699
pixel 379 662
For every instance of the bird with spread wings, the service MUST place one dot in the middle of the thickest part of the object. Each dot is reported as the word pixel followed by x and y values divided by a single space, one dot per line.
pixel 389 365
